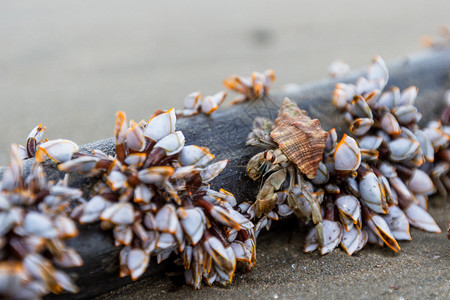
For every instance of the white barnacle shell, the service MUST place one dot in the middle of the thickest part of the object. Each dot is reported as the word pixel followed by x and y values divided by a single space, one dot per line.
pixel 390 98
pixel 322 174
pixel 402 148
pixel 398 223
pixel 353 240
pixel 172 143
pixel 360 108
pixel 39 224
pixel 379 226
pixel 378 72
pixel 405 114
pixel 119 214
pixel 372 193
pixel 421 183
pixel 210 172
pixel 191 101
pixel 408 96
pixel 134 138
pixel 195 155
pixel 361 126
pixel 193 222
pixel 137 262
pixel 13 173
pixel 211 103
pixel 166 219
pixel 155 175
pixel 370 142
pixel 57 150
pixel 425 144
pixel 390 124
pixel 349 207
pixel 223 257
pixel 419 218
pixel 347 155
pixel 93 208
pixel 332 234
pixel 81 164
pixel 161 125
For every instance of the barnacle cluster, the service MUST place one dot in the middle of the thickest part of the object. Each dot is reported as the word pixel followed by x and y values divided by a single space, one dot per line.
pixel 155 196
pixel 250 88
pixel 369 187
pixel 194 103
pixel 34 224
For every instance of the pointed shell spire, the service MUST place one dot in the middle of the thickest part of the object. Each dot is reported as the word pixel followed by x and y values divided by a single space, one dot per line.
pixel 301 138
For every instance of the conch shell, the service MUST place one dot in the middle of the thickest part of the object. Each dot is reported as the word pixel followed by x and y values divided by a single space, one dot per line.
pixel 301 138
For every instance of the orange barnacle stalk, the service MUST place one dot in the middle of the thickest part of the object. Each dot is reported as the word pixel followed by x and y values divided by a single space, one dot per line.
pixel 250 88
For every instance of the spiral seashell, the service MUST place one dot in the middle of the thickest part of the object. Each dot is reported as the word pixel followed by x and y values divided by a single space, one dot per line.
pixel 301 138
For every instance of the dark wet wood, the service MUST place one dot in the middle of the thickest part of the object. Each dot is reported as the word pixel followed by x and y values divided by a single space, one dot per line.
pixel 224 133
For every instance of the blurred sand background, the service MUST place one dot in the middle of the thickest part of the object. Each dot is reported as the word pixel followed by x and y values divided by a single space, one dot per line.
pixel 72 64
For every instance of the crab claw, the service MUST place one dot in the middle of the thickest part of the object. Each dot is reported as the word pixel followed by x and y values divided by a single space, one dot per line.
pixel 57 150
pixel 266 198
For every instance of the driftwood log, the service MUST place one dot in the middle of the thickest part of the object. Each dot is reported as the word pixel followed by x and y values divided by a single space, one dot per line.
pixel 224 133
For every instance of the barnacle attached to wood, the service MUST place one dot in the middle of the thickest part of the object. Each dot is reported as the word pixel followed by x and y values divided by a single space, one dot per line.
pixel 194 104
pixel 33 140
pixel 34 224
pixel 338 68
pixel 154 195
pixel 394 181
pixel 443 40
pixel 250 88
pixel 370 186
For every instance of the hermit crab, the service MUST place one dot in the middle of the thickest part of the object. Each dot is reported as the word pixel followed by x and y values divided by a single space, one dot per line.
pixel 364 188
pixel 34 225
pixel 155 196
pixel 250 88
pixel 295 146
